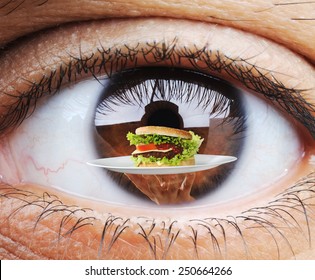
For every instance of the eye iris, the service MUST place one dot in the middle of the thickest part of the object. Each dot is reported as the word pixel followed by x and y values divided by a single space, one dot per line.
pixel 175 98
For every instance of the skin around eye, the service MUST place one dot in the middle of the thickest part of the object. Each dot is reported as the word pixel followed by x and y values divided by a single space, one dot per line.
pixel 84 44
pixel 137 229
pixel 288 23
pixel 90 51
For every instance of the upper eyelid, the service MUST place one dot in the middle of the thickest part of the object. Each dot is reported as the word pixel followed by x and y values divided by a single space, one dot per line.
pixel 297 17
pixel 77 63
pixel 110 60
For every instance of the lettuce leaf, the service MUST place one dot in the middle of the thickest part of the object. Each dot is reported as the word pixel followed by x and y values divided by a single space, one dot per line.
pixel 190 147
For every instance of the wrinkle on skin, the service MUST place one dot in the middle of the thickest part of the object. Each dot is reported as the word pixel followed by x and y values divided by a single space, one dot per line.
pixel 54 227
pixel 285 24
pixel 57 225
pixel 51 49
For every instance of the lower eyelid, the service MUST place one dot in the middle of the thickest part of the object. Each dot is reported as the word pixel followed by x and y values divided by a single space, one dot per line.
pixel 107 234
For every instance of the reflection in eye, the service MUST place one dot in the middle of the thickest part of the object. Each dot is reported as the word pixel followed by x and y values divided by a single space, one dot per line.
pixel 173 98
pixel 53 145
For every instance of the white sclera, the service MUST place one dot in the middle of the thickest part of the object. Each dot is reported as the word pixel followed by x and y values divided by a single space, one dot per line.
pixel 51 148
pixel 271 148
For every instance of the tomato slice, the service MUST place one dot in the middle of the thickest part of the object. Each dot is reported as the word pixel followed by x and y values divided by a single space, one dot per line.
pixel 147 147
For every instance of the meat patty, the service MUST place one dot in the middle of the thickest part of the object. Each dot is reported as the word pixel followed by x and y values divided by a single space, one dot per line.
pixel 175 151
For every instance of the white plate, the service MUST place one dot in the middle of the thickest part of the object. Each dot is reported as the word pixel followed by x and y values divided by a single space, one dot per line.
pixel 126 165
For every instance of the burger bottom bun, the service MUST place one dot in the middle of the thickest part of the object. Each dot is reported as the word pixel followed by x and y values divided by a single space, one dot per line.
pixel 190 161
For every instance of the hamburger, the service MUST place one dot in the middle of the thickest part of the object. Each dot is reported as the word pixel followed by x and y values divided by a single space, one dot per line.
pixel 163 146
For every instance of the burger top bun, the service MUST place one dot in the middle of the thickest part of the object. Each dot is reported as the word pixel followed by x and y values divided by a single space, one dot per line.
pixel 163 130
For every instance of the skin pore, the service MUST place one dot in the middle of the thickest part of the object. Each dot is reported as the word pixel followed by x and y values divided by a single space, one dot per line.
pixel 45 223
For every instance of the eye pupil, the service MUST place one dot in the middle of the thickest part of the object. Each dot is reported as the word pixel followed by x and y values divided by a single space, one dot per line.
pixel 162 113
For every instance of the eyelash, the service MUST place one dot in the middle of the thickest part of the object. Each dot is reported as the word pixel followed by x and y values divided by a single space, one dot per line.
pixel 169 89
pixel 293 199
pixel 110 61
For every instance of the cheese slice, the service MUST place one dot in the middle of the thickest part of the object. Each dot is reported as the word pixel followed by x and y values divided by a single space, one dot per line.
pixel 136 152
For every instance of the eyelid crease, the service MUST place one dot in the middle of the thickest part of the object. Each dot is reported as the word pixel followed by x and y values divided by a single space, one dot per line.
pixel 108 61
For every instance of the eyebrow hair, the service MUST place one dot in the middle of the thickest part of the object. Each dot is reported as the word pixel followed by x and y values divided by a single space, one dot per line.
pixel 297 3
pixel 293 3
pixel 303 19
pixel 12 6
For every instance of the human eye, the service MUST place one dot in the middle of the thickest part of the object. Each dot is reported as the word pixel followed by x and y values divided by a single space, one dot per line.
pixel 290 93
